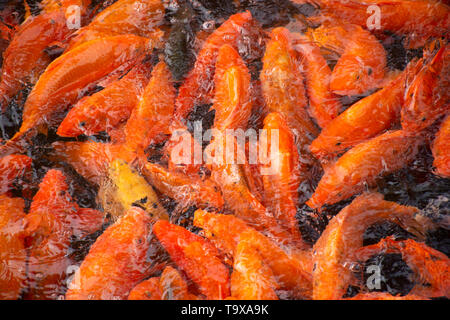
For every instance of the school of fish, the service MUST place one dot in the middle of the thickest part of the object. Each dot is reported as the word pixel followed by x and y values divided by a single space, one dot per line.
pixel 100 107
